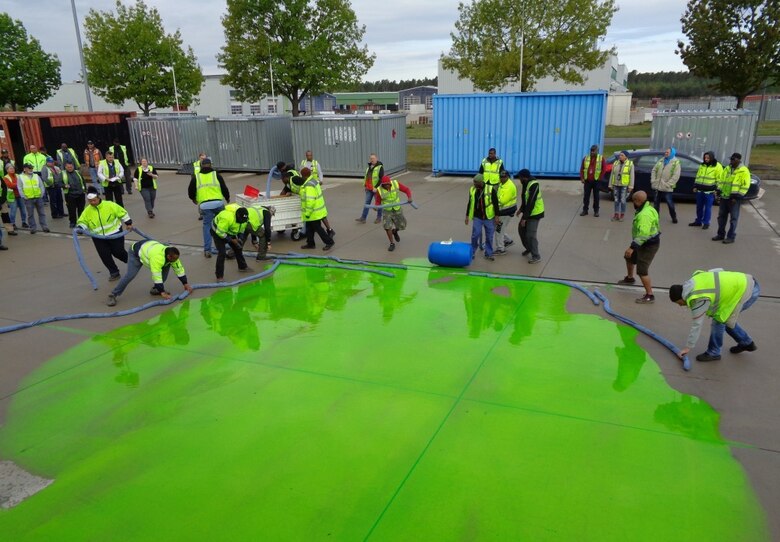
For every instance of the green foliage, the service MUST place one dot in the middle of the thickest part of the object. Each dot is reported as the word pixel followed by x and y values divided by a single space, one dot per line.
pixel 312 47
pixel 129 57
pixel 385 85
pixel 559 39
pixel 30 75
pixel 734 42
pixel 668 85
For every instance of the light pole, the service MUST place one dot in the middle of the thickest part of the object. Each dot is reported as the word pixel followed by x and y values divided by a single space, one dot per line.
pixel 271 68
pixel 81 54
pixel 175 89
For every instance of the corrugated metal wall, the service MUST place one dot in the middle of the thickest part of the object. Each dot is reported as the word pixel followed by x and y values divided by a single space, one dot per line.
pixel 695 132
pixel 545 132
pixel 168 142
pixel 342 143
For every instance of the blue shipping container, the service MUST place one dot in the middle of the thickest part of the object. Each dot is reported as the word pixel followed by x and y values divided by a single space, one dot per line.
pixel 545 132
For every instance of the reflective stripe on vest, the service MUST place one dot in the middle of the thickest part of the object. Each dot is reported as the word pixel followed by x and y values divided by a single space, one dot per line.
pixel 625 173
pixel 724 289
pixel 207 187
pixel 390 197
pixel 491 171
pixel 596 171
pixel 707 176
pixel 486 194
pixel 11 195
pixel 374 175
pixel 315 167
pixel 152 250
pixel 95 223
pixel 539 203
pixel 30 187
pixel 150 171
pixel 736 181
pixel 105 171
pixel 507 194
pixel 124 153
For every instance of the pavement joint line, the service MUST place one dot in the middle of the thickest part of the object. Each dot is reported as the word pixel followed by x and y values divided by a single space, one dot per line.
pixel 768 222
pixel 445 419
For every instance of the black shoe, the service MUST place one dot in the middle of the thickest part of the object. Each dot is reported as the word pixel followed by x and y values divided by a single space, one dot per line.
pixel 705 227
pixel 328 247
pixel 695 224
pixel 244 270
pixel 490 258
pixel 391 247
pixel 13 232
pixel 596 214
pixel 154 291
pixel 25 225
pixel 509 243
pixel 706 357
pixel 32 231
pixel 200 217
pixel 113 278
pixel 308 247
pixel 674 221
pixel 3 247
pixel 584 213
pixel 396 236
pixel 46 230
pixel 728 241
pixel 525 253
pixel 743 348
pixel 718 238
pixel 207 254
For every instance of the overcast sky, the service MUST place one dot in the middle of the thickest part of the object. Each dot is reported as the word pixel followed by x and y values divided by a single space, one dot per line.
pixel 407 39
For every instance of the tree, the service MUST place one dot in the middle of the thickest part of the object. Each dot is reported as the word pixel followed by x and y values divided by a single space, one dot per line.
pixel 29 74
pixel 130 57
pixel 558 38
pixel 311 46
pixel 735 42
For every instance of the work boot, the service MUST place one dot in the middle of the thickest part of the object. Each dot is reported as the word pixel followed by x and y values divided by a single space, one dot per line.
pixel 391 247
pixel 584 213
pixel 111 300
pixel 707 357
pixel 743 348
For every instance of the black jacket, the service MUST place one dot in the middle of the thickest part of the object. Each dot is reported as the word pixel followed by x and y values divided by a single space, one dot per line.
pixel 192 188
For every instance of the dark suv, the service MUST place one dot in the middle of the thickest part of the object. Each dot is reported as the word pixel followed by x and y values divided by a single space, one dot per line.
pixel 644 160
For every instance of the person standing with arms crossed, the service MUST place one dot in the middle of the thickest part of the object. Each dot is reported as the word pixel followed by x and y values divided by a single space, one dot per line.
pixel 706 183
pixel 734 184
pixel 621 184
pixel 663 180
pixel 590 174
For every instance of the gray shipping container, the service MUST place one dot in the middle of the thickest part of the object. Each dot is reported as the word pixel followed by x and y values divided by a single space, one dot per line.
pixel 168 142
pixel 250 143
pixel 342 143
pixel 695 132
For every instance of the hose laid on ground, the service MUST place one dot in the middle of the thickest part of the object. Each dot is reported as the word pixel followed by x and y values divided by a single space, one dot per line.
pixel 574 285
pixel 80 255
pixel 337 266
pixel 388 205
pixel 639 327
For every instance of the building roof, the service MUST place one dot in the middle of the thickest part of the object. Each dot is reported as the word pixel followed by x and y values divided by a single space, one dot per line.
pixel 361 97
pixel 424 87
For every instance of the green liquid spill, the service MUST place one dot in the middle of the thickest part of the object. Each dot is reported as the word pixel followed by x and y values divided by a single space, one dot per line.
pixel 333 404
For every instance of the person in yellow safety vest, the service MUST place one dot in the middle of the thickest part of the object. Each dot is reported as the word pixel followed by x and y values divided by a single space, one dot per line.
pixel 121 155
pixel 507 207
pixel 721 295
pixel 646 239
pixel 259 227
pixel 31 190
pixel 195 171
pixel 531 211
pixel 313 209
pixel 209 192
pixel 591 169
pixel 732 188
pixel 706 183
pixel 316 172
pixel 374 172
pixel 159 258
pixel 621 184
pixel 226 228
pixel 3 199
pixel 66 154
pixel 111 173
pixel 491 168
pixel 387 193
pixel 75 191
pixel 481 210
pixel 106 218
pixel 663 180
pixel 146 184
pixel 51 176
pixel 15 202
pixel 36 159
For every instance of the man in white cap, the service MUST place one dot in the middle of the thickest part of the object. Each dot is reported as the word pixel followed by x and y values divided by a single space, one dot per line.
pixel 105 218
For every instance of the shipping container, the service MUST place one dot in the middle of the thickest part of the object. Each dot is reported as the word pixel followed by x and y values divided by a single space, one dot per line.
pixel 696 132
pixel 545 132
pixel 619 108
pixel 251 143
pixel 19 130
pixel 169 142
pixel 342 143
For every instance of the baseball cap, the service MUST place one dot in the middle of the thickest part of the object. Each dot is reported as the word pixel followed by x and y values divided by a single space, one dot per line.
pixel 478 178
pixel 206 161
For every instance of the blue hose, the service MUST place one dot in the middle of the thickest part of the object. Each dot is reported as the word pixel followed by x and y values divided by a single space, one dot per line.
pixel 643 329
pixel 574 285
pixel 388 205
pixel 80 255
pixel 337 266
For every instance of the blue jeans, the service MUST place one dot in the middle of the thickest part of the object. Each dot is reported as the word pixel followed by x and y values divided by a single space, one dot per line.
pixel 620 194
pixel 368 200
pixel 18 203
pixel 704 207
pixel 728 207
pixel 208 218
pixel 738 334
pixel 477 225
pixel 666 196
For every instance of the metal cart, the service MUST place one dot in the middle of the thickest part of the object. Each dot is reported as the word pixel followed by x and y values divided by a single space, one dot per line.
pixel 287 212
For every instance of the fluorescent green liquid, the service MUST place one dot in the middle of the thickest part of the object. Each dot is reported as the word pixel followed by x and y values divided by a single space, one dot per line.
pixel 330 404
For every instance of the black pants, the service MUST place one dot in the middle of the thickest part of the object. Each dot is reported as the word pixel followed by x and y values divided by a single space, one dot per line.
pixel 591 187
pixel 221 245
pixel 114 193
pixel 108 249
pixel 55 202
pixel 129 179
pixel 75 205
pixel 313 226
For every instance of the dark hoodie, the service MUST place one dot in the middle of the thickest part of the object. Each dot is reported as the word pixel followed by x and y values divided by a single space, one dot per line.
pixel 713 163
pixel 192 188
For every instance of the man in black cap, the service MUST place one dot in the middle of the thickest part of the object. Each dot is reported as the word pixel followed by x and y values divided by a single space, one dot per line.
pixel 226 228
pixel 532 211
pixel 731 191
pixel 209 192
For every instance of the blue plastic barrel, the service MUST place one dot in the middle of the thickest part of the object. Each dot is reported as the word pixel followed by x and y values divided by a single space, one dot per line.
pixel 450 253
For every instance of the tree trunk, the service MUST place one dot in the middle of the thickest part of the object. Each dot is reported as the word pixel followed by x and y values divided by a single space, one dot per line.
pixel 295 100
pixel 740 101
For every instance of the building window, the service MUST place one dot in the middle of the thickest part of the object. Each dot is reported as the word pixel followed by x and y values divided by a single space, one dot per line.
pixel 614 74
pixel 236 110
pixel 429 102
pixel 255 109
pixel 233 93
pixel 272 106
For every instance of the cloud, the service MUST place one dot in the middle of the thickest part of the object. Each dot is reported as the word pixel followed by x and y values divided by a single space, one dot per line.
pixel 408 36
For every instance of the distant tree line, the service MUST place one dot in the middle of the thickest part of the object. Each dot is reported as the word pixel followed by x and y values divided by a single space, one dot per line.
pixel 385 85
pixel 672 85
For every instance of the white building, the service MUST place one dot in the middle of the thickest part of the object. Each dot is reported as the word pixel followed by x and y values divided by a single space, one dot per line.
pixel 214 100
pixel 612 77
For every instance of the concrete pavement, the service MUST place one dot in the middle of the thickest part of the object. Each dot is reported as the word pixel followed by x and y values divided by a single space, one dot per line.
pixel 42 278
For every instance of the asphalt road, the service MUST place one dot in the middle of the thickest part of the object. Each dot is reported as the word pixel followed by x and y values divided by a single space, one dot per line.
pixel 634 141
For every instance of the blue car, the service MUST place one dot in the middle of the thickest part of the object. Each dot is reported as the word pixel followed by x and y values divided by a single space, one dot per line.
pixel 644 160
